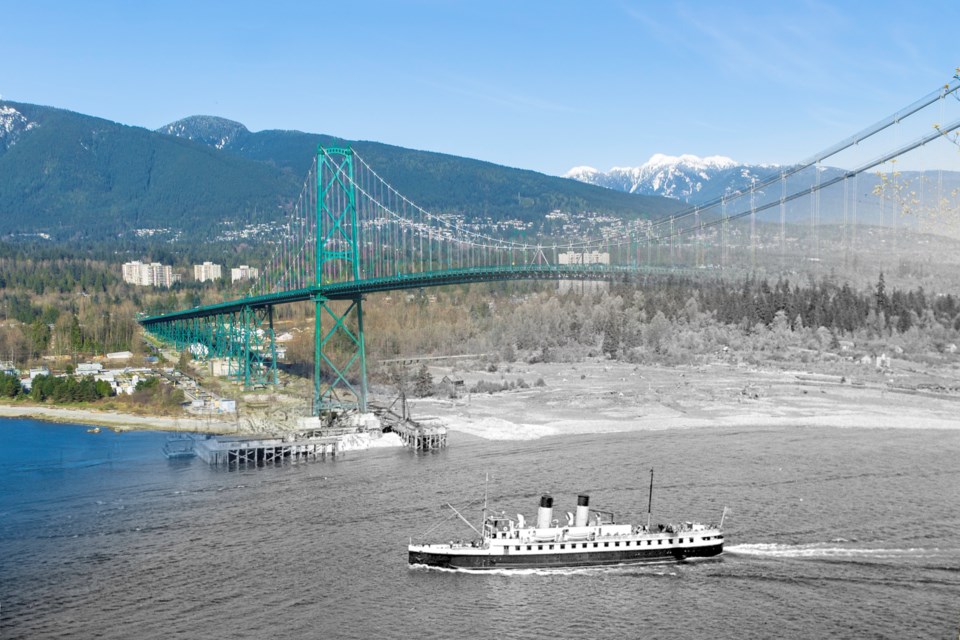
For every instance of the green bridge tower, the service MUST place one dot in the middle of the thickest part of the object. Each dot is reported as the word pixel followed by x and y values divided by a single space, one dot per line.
pixel 340 362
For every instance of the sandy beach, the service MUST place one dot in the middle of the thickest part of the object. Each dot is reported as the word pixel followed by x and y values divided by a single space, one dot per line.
pixel 602 396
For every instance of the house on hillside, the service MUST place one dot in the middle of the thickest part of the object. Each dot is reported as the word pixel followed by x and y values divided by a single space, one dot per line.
pixel 88 368
pixel 453 382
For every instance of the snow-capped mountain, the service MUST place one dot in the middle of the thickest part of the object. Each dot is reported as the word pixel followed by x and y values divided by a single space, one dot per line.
pixel 687 178
pixel 12 125
pixel 213 131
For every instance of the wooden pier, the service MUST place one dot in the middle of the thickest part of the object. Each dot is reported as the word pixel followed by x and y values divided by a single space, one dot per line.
pixel 225 451
pixel 314 440
pixel 420 437
pixel 415 435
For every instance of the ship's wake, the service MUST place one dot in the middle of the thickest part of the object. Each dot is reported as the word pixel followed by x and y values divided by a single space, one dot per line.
pixel 830 551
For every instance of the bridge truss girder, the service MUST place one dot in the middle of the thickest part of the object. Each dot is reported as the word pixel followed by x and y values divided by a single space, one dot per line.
pixel 236 336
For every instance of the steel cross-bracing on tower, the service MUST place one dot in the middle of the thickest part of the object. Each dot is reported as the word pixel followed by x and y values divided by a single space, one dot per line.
pixel 338 262
pixel 351 234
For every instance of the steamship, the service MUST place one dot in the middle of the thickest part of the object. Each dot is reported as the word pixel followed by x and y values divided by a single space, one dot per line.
pixel 590 538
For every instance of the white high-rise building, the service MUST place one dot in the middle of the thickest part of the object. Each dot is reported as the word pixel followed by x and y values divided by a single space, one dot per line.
pixel 153 274
pixel 207 271
pixel 583 286
pixel 243 272
pixel 131 272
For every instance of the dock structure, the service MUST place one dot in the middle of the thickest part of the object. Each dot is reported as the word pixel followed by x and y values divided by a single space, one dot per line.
pixel 420 437
pixel 229 452
pixel 179 446
pixel 313 440
pixel 416 435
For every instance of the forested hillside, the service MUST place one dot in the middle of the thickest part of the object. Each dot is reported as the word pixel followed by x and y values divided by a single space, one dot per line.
pixel 438 182
pixel 76 177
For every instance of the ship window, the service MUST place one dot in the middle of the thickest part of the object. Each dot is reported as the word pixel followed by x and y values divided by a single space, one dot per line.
pixel 551 546
pixel 660 541
pixel 517 547
pixel 606 544
pixel 596 544
pixel 584 545
pixel 671 540
pixel 691 539
pixel 616 544
pixel 649 542
pixel 563 546
pixel 529 547
pixel 540 547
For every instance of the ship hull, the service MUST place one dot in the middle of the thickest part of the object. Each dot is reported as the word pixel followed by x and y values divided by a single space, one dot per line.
pixel 491 561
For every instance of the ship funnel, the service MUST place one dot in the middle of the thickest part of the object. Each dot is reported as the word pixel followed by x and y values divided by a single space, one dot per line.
pixel 583 510
pixel 545 513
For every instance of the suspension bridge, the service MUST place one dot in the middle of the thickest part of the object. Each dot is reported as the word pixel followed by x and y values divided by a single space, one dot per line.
pixel 351 234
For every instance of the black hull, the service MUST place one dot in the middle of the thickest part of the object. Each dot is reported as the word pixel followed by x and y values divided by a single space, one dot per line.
pixel 562 560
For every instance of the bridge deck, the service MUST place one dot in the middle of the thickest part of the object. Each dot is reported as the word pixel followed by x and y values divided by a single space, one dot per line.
pixel 355 289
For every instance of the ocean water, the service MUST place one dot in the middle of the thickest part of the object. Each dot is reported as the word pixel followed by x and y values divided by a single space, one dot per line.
pixel 830 533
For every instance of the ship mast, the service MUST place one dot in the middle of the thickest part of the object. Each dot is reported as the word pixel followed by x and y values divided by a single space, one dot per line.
pixel 483 514
pixel 650 500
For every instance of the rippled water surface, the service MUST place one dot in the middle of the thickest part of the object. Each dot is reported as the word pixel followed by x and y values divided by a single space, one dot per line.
pixel 832 533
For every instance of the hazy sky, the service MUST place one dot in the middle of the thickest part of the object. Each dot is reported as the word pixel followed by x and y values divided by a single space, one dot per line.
pixel 539 85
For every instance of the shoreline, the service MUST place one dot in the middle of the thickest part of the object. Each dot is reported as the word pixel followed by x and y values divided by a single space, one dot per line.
pixel 115 420
pixel 600 396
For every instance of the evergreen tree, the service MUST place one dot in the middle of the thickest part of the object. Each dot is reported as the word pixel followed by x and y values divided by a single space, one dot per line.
pixel 9 385
pixel 39 334
pixel 611 338
pixel 883 302
pixel 76 334
pixel 423 386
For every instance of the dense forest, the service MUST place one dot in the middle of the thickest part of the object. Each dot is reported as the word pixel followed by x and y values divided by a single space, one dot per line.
pixel 69 304
pixel 669 320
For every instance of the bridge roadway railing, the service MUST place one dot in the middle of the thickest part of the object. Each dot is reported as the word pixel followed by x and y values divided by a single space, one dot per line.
pixel 232 306
pixel 354 289
pixel 349 290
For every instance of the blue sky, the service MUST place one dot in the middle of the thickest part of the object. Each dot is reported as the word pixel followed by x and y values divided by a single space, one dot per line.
pixel 539 85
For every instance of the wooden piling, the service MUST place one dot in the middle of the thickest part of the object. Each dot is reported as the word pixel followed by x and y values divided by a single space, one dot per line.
pixel 236 453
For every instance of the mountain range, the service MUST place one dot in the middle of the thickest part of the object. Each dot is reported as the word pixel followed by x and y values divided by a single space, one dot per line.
pixel 697 181
pixel 73 176
pixel 69 176
pixel 687 178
